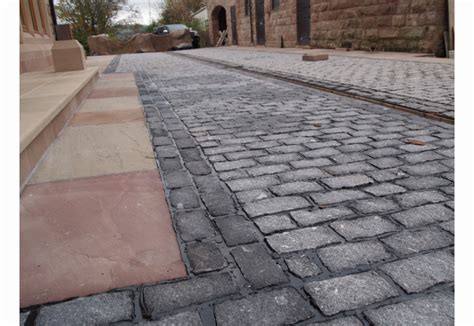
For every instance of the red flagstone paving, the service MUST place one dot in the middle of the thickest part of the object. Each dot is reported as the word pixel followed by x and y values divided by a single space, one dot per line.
pixel 92 235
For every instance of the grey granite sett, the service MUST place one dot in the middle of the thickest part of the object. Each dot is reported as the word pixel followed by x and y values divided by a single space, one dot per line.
pixel 306 218
pixel 385 189
pixel 273 223
pixel 337 196
pixel 345 321
pixel 194 225
pixel 302 266
pixel 278 307
pixel 363 227
pixel 252 183
pixel 434 309
pixel 205 257
pixel 237 230
pixel 413 241
pixel 295 188
pixel 349 292
pixel 348 181
pixel 275 205
pixel 94 310
pixel 302 239
pixel 422 215
pixel 420 198
pixel 375 205
pixel 421 272
pixel 162 298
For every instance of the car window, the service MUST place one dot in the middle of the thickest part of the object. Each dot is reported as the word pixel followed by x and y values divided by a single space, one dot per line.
pixel 176 27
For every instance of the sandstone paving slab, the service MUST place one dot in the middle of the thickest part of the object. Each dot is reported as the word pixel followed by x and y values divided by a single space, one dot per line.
pixel 98 118
pixel 99 309
pixel 88 151
pixel 433 309
pixel 113 104
pixel 99 234
pixel 349 292
pixel 278 307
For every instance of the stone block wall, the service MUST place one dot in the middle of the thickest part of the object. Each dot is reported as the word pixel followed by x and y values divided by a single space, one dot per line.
pixel 390 25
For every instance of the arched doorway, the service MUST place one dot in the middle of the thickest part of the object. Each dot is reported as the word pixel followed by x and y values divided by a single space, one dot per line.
pixel 219 22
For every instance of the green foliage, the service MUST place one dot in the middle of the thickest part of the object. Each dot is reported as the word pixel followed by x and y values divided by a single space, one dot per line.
pixel 88 17
pixel 179 11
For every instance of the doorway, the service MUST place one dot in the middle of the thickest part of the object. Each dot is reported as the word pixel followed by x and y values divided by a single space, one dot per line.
pixel 233 21
pixel 260 15
pixel 219 22
pixel 303 21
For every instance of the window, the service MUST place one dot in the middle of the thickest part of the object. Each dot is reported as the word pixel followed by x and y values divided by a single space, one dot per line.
pixel 247 7
pixel 275 4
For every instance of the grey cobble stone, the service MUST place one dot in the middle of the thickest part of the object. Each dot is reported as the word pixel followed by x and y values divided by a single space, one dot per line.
pixel 223 149
pixel 337 196
pixel 295 188
pixel 448 226
pixel 275 205
pixel 353 148
pixel 420 198
pixel 245 154
pixel 232 165
pixel 424 215
pixel 310 163
pixel 23 318
pixel 412 241
pixel 170 164
pixel 278 158
pixel 302 266
pixel 302 239
pixel 416 158
pixel 425 169
pixel 302 174
pixel 286 149
pixel 363 227
pixel 272 223
pixel 385 151
pixel 267 169
pixel 262 144
pixel 375 205
pixel 94 310
pixel 417 183
pixel 348 181
pixel 322 144
pixel 252 195
pixel 417 148
pixel 387 175
pixel 184 142
pixel 257 266
pixel 184 198
pixel 244 140
pixel 356 167
pixel 162 298
pixel 349 292
pixel 421 272
pixel 237 230
pixel 205 257
pixel 166 152
pixel 188 318
pixel 323 152
pixel 386 162
pixel 161 141
pixel 278 307
pixel 385 189
pixel 194 225
pixel 434 309
pixel 351 255
pixel 208 184
pixel 198 167
pixel 252 183
pixel 345 321
pixel 232 175
pixel 190 154
pixel 306 218
pixel 177 179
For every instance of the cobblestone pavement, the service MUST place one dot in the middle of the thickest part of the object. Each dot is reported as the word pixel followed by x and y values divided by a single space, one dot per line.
pixel 291 206
pixel 427 87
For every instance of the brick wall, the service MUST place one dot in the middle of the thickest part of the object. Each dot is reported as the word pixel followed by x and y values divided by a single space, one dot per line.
pixel 390 25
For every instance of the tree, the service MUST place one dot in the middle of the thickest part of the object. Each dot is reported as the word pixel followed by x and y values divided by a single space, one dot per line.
pixel 88 17
pixel 179 11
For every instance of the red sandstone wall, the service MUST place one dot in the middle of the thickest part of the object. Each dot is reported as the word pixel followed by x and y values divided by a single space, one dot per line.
pixel 390 25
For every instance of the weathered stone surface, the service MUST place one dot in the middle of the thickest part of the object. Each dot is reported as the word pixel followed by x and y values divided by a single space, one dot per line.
pixel 267 169
pixel 252 195
pixel 208 184
pixel 219 203
pixel 184 198
pixel 419 273
pixel 349 292
pixel 363 227
pixel 205 257
pixel 279 307
pixel 272 223
pixel 275 205
pixel 194 225
pixel 385 189
pixel 409 242
pixel 306 218
pixel 345 321
pixel 424 215
pixel 24 317
pixel 302 239
pixel 434 309
pixel 302 266
pixel 252 183
pixel 420 198
pixel 295 188
pixel 337 196
pixel 375 205
pixel 258 266
pixel 198 167
pixel 98 309
pixel 177 179
pixel 162 298
pixel 356 167
pixel 302 174
pixel 347 181
pixel 232 165
pixel 351 255
pixel 448 226
pixel 416 183
pixel 237 230
pixel 188 318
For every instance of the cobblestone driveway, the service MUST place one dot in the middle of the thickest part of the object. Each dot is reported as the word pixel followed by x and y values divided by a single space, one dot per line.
pixel 290 205
pixel 428 87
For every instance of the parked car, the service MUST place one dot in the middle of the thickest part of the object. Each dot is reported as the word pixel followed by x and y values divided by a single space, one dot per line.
pixel 166 29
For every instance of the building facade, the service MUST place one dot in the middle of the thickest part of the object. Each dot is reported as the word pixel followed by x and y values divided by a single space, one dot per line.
pixel 383 25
